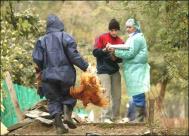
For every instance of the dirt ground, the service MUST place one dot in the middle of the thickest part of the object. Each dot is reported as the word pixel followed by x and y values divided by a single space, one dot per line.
pixel 37 128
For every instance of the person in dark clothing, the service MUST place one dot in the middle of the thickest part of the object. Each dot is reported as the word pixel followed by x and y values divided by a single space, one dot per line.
pixel 108 71
pixel 56 54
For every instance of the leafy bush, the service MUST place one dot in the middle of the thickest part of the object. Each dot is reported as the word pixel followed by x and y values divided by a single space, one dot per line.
pixel 19 31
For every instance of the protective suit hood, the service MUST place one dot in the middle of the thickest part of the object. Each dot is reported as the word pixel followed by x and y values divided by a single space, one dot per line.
pixel 54 24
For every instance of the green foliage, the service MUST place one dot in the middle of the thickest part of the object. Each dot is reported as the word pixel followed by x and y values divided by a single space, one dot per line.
pixel 171 39
pixel 17 42
pixel 165 25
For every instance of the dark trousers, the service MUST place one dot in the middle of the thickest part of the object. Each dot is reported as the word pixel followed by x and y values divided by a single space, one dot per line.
pixel 57 96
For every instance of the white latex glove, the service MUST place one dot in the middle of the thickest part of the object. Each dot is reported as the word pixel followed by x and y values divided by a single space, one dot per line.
pixel 91 69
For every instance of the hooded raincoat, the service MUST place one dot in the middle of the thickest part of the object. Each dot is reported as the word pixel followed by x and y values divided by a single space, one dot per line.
pixel 135 65
pixel 56 54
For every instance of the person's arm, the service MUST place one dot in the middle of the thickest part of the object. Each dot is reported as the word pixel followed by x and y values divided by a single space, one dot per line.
pixel 118 46
pixel 37 55
pixel 118 60
pixel 39 60
pixel 112 56
pixel 73 54
pixel 131 52
pixel 99 51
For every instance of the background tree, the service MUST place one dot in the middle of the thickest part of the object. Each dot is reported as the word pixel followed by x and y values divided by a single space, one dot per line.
pixel 18 34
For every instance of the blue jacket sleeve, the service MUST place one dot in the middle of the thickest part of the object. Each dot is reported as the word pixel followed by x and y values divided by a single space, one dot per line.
pixel 37 54
pixel 73 54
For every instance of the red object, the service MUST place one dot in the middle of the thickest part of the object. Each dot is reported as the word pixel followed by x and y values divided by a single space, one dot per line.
pixel 89 91
pixel 102 40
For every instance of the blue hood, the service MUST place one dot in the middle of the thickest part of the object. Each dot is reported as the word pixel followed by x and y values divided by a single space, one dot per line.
pixel 54 24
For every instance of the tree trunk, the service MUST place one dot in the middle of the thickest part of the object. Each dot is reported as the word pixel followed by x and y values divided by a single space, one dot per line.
pixel 161 96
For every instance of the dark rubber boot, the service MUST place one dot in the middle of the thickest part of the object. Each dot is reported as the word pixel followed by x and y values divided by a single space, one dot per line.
pixel 140 114
pixel 60 128
pixel 67 117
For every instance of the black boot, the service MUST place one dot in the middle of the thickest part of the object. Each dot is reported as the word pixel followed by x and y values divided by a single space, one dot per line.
pixel 140 114
pixel 60 128
pixel 67 117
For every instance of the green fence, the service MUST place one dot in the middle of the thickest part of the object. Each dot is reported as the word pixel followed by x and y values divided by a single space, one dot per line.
pixel 27 97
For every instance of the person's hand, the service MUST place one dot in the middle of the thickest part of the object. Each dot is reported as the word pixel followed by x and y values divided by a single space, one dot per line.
pixel 111 49
pixel 108 44
pixel 88 68
pixel 104 49
pixel 91 69
pixel 108 48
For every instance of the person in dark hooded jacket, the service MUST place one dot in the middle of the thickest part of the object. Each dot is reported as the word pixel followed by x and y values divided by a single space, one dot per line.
pixel 55 54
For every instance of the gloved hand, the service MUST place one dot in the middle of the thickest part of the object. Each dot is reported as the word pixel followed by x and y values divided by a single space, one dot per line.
pixel 108 44
pixel 91 69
